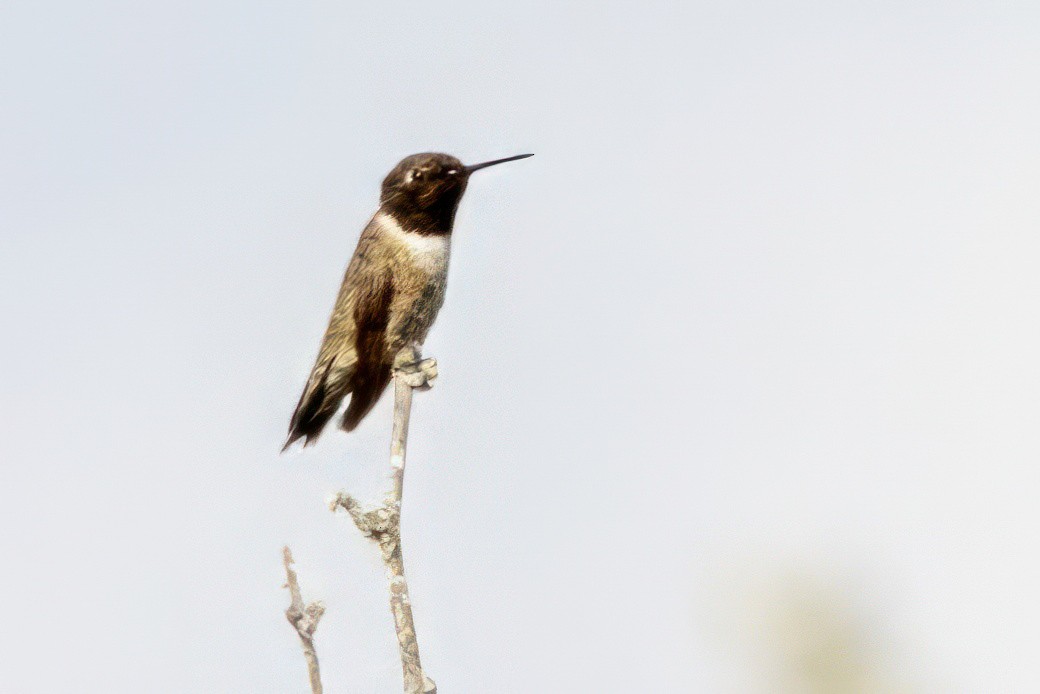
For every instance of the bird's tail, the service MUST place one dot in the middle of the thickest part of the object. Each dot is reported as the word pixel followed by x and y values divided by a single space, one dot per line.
pixel 366 387
pixel 319 401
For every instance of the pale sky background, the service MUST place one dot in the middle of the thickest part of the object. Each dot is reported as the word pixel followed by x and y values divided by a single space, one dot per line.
pixel 746 356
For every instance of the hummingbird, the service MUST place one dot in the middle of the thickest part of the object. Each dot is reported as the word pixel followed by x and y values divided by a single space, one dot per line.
pixel 392 291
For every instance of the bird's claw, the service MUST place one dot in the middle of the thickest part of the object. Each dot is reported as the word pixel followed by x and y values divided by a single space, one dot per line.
pixel 418 374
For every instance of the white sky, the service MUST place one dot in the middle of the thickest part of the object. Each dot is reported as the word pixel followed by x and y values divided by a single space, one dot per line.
pixel 761 313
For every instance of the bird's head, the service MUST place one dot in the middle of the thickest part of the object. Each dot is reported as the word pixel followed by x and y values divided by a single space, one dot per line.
pixel 423 191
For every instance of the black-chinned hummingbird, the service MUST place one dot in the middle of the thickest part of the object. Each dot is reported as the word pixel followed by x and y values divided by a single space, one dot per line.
pixel 390 296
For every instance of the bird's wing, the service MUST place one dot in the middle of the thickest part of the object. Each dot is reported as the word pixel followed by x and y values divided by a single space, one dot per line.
pixel 366 285
pixel 373 364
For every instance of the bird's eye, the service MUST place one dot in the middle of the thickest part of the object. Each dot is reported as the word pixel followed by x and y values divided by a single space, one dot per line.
pixel 417 174
pixel 452 172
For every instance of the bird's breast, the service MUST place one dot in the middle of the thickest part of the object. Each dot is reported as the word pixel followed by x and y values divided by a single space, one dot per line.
pixel 419 264
pixel 417 254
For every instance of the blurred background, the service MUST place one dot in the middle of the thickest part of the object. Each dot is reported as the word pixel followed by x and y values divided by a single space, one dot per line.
pixel 739 377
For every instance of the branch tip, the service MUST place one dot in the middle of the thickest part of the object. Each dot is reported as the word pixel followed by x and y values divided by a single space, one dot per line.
pixel 304 619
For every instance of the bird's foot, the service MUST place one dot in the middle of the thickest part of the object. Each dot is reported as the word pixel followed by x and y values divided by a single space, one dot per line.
pixel 418 374
pixel 413 370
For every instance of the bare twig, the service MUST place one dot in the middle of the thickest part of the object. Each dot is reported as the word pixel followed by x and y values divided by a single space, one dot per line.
pixel 383 525
pixel 304 620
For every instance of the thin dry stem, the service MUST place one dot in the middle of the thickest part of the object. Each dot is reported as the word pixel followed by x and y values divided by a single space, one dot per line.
pixel 304 620
pixel 383 525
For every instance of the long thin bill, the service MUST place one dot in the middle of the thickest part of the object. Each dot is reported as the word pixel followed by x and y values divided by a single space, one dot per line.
pixel 478 167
